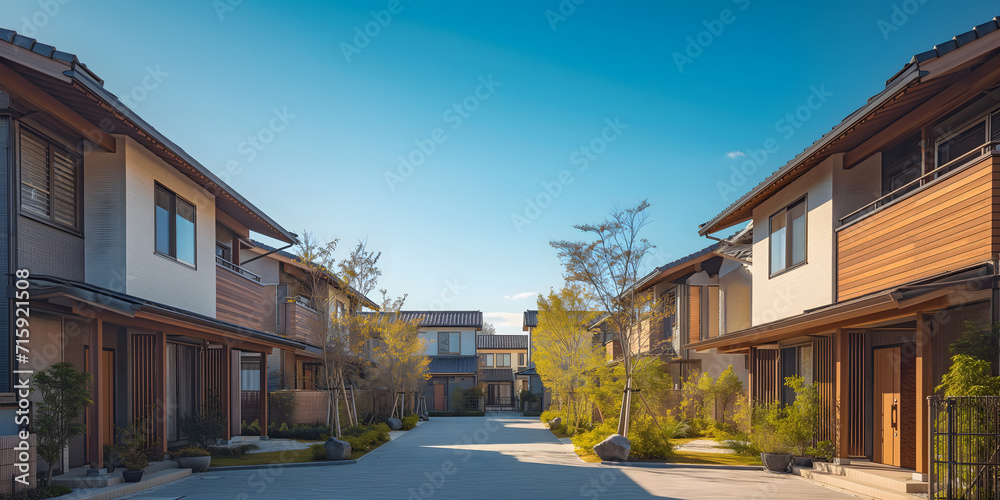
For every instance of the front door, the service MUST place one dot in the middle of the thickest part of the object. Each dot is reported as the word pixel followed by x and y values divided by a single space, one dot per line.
pixel 107 412
pixel 886 443
pixel 440 402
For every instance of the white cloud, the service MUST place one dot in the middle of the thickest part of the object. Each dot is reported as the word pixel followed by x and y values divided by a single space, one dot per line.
pixel 735 154
pixel 519 296
pixel 504 321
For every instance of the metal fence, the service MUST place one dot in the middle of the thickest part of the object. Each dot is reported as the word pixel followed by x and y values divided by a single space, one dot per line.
pixel 965 447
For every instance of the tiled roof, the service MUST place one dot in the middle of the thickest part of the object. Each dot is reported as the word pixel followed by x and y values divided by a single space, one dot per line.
pixel 268 248
pixel 530 319
pixel 497 375
pixel 452 319
pixel 501 341
pixel 43 50
pixel 453 364
pixel 743 249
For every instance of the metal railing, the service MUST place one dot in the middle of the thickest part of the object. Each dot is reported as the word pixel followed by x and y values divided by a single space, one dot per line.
pixel 965 447
pixel 219 261
pixel 928 178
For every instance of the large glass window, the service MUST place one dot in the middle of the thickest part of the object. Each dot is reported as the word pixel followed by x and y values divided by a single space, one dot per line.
pixel 788 237
pixel 175 226
pixel 901 165
pixel 449 343
pixel 49 181
pixel 962 143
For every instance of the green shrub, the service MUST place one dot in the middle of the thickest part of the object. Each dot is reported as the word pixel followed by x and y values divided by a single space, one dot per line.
pixel 250 428
pixel 824 450
pixel 652 441
pixel 299 431
pixel 587 440
pixel 410 421
pixel 548 415
pixel 281 405
pixel 318 451
pixel 192 451
pixel 38 493
pixel 204 428
pixel 362 438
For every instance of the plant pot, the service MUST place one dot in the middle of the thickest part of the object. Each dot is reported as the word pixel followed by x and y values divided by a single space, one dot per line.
pixel 132 476
pixel 776 463
pixel 196 464
pixel 804 462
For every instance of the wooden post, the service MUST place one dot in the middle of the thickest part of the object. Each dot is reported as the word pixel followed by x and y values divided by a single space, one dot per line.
pixel 751 394
pixel 95 433
pixel 225 398
pixel 160 384
pixel 925 378
pixel 263 395
pixel 841 411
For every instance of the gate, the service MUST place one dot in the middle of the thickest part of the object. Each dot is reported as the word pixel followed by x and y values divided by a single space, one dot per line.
pixel 965 447
pixel 499 398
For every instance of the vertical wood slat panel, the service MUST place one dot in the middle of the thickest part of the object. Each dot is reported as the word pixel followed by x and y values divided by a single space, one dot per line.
pixel 858 394
pixel 766 378
pixel 826 384
pixel 142 360
pixel 694 316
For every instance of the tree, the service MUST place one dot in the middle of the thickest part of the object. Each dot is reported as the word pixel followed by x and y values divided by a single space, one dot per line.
pixel 488 329
pixel 399 354
pixel 609 266
pixel 65 397
pixel 564 353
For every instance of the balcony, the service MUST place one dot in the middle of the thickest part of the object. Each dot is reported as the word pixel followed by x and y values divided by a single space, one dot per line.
pixel 241 298
pixel 301 322
pixel 947 219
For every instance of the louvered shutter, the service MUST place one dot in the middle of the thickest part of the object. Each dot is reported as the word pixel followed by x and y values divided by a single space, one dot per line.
pixel 34 176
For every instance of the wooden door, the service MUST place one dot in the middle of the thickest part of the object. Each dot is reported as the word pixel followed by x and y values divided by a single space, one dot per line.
pixel 886 435
pixel 440 402
pixel 108 412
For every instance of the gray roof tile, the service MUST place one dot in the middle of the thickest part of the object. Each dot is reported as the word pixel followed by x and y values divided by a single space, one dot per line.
pixel 453 364
pixel 501 341
pixel 530 318
pixel 497 375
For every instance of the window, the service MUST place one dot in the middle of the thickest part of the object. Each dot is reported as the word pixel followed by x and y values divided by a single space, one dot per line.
pixel 962 143
pixel 901 165
pixel 487 360
pixel 503 360
pixel 520 359
pixel 49 181
pixel 175 226
pixel 222 252
pixel 449 343
pixel 795 361
pixel 788 237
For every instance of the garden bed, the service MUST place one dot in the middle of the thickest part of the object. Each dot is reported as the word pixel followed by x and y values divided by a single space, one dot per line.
pixel 462 413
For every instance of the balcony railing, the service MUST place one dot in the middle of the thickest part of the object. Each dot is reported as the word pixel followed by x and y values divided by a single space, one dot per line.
pixel 219 261
pixel 910 187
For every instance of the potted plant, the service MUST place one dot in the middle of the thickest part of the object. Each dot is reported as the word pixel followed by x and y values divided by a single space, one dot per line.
pixel 801 420
pixel 770 436
pixel 194 458
pixel 135 464
pixel 822 452
pixel 111 458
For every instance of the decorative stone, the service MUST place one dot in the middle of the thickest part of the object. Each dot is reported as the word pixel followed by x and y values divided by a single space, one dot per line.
pixel 614 447
pixel 555 422
pixel 196 464
pixel 337 449
pixel 394 423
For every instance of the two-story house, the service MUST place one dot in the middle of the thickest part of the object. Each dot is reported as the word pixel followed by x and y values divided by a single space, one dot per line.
pixel 110 233
pixel 874 246
pixel 450 340
pixel 501 357
pixel 704 295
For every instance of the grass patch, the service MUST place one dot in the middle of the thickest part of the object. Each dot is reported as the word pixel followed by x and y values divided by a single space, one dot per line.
pixel 270 457
pixel 690 457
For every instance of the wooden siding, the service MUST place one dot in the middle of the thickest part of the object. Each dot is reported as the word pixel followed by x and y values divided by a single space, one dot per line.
pixel 301 323
pixel 947 226
pixel 694 314
pixel 240 301
pixel 856 393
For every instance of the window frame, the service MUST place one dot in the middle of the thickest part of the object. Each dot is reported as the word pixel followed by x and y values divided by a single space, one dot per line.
pixel 172 227
pixel 488 360
pixel 521 361
pixel 500 356
pixel 986 118
pixel 788 239
pixel 451 351
pixel 77 159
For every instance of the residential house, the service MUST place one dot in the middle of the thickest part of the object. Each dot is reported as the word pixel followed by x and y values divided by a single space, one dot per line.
pixel 874 247
pixel 115 227
pixel 450 339
pixel 501 357
pixel 704 295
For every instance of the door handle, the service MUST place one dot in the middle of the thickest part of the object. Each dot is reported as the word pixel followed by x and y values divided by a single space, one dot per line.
pixel 894 415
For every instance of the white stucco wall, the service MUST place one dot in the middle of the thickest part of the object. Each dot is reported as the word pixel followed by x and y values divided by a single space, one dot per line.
pixel 104 217
pixel 468 342
pixel 735 283
pixel 153 276
pixel 809 285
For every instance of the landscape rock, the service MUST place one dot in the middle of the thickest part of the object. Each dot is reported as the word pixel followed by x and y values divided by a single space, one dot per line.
pixel 337 449
pixel 394 423
pixel 614 447
pixel 555 422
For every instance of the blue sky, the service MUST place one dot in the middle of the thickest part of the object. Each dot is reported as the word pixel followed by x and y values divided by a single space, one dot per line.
pixel 308 107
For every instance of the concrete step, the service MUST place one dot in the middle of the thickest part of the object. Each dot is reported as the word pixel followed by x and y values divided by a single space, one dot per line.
pixel 149 480
pixel 77 478
pixel 854 485
pixel 901 481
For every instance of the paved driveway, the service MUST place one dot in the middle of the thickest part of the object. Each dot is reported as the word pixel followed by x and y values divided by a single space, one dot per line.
pixel 497 456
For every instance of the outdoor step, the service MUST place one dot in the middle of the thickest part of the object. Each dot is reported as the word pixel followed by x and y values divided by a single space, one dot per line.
pixel 853 485
pixel 122 489
pixel 901 481
pixel 77 477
